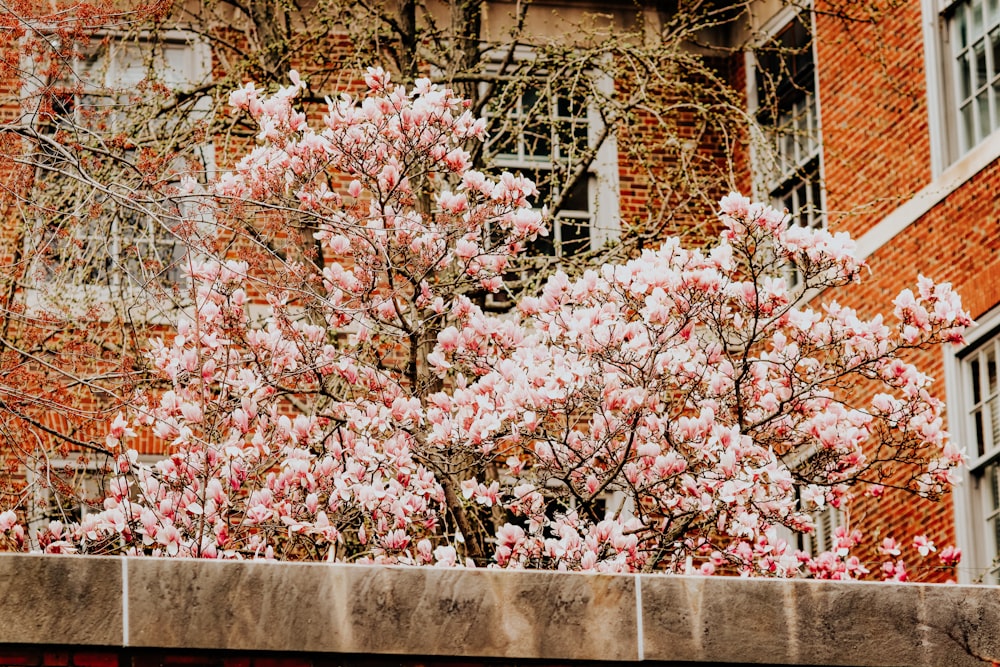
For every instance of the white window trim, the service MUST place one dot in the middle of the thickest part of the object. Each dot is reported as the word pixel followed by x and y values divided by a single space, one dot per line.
pixel 767 32
pixel 966 498
pixel 83 296
pixel 605 223
pixel 93 468
pixel 42 492
pixel 942 109
pixel 938 99
pixel 201 52
pixel 824 536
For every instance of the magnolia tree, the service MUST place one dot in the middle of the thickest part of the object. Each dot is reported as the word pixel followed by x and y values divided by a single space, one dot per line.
pixel 687 411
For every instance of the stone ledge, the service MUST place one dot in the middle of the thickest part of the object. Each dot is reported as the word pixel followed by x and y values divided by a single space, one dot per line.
pixel 729 620
pixel 369 609
pixel 69 599
pixel 352 609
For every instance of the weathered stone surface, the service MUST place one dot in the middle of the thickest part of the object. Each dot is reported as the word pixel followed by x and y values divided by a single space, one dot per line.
pixel 258 606
pixel 359 609
pixel 859 623
pixel 60 599
pixel 692 619
pixel 234 605
pixel 818 623
pixel 958 621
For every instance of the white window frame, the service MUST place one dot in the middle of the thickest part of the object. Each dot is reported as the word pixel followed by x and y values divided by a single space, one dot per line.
pixel 603 186
pixel 616 502
pixel 95 478
pixel 972 495
pixel 198 69
pixel 773 180
pixel 200 64
pixel 42 493
pixel 944 120
pixel 823 538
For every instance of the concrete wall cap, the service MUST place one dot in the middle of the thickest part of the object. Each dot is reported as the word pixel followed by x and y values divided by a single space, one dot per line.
pixel 362 609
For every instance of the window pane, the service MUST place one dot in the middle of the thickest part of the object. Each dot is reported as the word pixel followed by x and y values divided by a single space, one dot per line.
pixel 992 473
pixel 985 410
pixel 153 255
pixel 964 77
pixel 581 136
pixel 177 63
pixel 968 127
pixel 785 69
pixel 977 395
pixel 575 236
pixel 578 198
pixel 994 440
pixel 975 20
pixel 529 99
pixel 995 52
pixel 544 246
pixel 571 107
pixel 787 153
pixel 991 371
pixel 503 144
pixel 537 130
pixel 537 141
pixel 980 441
pixel 996 103
pixel 983 110
pixel 981 74
pixel 817 203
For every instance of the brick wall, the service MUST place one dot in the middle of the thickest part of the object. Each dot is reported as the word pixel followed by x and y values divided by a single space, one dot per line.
pixel 872 93
pixel 673 168
pixel 876 156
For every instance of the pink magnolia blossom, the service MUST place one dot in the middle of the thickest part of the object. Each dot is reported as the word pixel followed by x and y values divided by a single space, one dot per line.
pixel 669 413
pixel 923 545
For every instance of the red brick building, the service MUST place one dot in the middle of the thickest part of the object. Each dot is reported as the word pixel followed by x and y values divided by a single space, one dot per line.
pixel 906 98
pixel 103 119
pixel 877 118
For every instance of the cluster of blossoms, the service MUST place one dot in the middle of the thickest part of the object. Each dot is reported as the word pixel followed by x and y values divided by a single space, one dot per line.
pixel 686 411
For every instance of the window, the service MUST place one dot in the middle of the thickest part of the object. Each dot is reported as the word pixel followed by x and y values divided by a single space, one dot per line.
pixel 543 136
pixel 962 51
pixel 608 505
pixel 548 133
pixel 788 153
pixel 66 491
pixel 109 100
pixel 976 409
pixel 827 521
pixel 125 246
pixel 117 84
pixel 974 38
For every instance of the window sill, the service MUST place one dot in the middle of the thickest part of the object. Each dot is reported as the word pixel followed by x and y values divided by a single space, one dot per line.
pixel 950 180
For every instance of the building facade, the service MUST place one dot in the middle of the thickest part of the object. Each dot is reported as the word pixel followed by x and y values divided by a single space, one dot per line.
pixel 877 118
pixel 904 100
